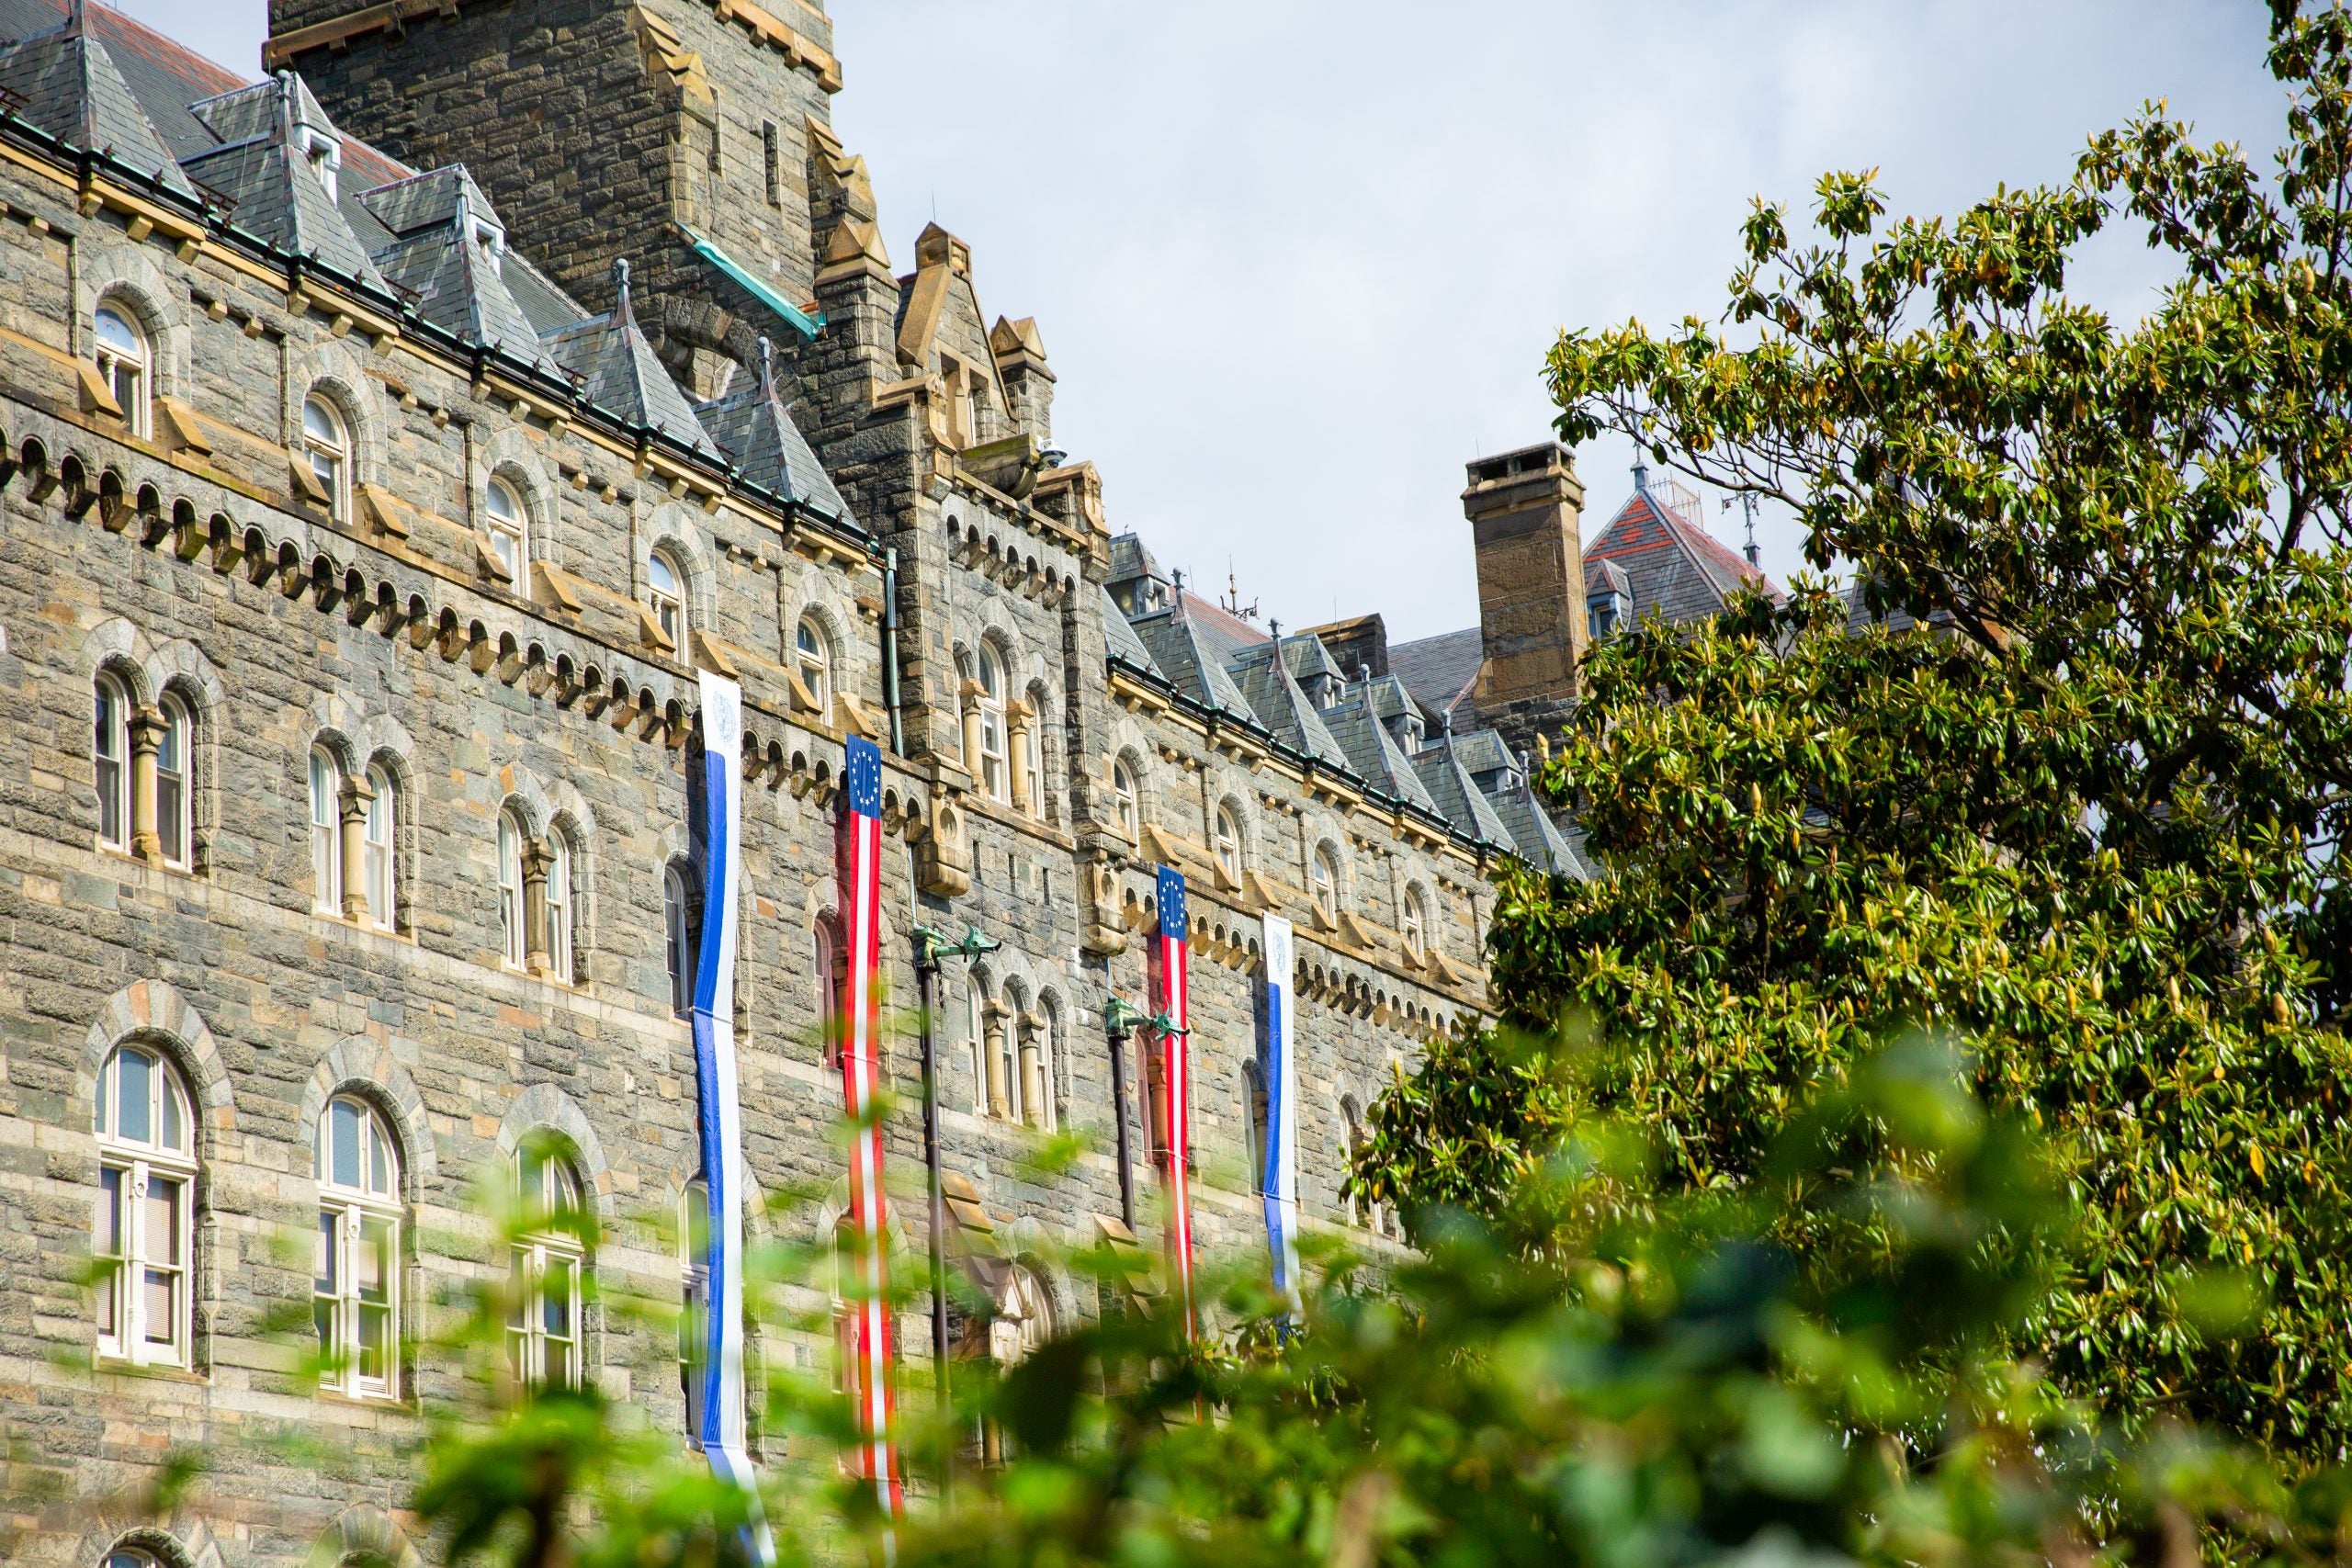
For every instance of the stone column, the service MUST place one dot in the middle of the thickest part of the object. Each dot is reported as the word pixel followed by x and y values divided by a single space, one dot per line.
pixel 537 861
pixel 357 795
pixel 971 699
pixel 146 726
pixel 1033 1070
pixel 993 1016
pixel 1017 715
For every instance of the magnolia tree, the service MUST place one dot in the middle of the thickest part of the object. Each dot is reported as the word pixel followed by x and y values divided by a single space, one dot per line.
pixel 2074 782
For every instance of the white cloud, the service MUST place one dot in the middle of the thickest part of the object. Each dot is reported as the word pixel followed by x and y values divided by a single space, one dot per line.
pixel 1297 261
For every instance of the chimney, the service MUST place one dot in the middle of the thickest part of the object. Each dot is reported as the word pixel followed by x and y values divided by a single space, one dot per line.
pixel 1524 509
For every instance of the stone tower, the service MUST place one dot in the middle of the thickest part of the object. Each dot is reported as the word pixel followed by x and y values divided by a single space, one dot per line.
pixel 1525 509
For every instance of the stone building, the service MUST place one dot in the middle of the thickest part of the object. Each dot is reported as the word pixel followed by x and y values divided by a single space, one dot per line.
pixel 383 449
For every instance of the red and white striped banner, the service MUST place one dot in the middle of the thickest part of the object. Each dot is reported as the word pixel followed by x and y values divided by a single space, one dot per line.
pixel 1171 958
pixel 860 1035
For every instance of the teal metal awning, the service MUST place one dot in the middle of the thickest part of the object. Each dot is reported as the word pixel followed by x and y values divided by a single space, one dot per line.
pixel 806 325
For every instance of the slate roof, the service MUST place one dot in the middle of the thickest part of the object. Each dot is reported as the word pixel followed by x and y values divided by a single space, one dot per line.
pixel 1458 799
pixel 1440 671
pixel 619 372
pixel 458 282
pixel 1125 644
pixel 1671 565
pixel 756 431
pixel 1374 754
pixel 1188 660
pixel 1274 695
pixel 264 168
pixel 64 81
pixel 1540 840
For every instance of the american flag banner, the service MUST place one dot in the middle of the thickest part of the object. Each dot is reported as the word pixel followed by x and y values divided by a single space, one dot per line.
pixel 1170 958
pixel 716 813
pixel 1279 1180
pixel 859 1032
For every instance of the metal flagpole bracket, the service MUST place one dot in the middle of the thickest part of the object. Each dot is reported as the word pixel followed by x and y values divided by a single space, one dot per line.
pixel 932 945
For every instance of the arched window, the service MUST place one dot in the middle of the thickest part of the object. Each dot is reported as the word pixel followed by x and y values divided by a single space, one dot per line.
pixel 326 442
pixel 1253 1101
pixel 833 987
pixel 1009 1031
pixel 130 1557
pixel 1033 759
pixel 665 590
pixel 1351 1130
pixel 510 887
pixel 125 363
pixel 678 937
pixel 1417 923
pixel 543 1319
pixel 145 1231
pixel 510 536
pixel 1228 842
pixel 1125 801
pixel 813 650
pixel 1323 883
pixel 694 1316
pixel 996 775
pixel 110 750
pixel 975 1046
pixel 326 831
pixel 356 1274
pixel 561 905
pixel 378 861
pixel 176 782
pixel 1025 1317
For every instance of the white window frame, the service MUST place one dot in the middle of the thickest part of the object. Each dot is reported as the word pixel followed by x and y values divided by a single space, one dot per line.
pixel 1127 801
pixel 510 888
pixel 110 757
pixel 678 937
pixel 128 368
pixel 977 1041
pixel 129 1169
pixel 1323 882
pixel 668 600
pixel 694 1303
pixel 379 849
pixel 561 905
pixel 354 1217
pixel 509 526
pixel 1416 923
pixel 812 651
pixel 1037 761
pixel 326 444
pixel 1046 1119
pixel 326 831
pixel 176 783
pixel 538 1357
pixel 1228 842
pixel 1009 1053
pixel 996 769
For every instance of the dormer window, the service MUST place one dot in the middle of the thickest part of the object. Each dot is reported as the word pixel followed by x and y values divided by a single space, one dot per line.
pixel 1604 612
pixel 491 240
pixel 324 155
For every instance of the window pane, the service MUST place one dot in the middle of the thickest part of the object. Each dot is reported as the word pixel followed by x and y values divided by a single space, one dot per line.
pixel 319 423
pixel 165 1201
pixel 108 1241
pixel 134 1073
pixel 343 1123
pixel 163 1307
pixel 375 1343
pixel 518 1310
pixel 167 1090
pixel 555 1298
pixel 380 1159
pixel 326 1270
pixel 168 814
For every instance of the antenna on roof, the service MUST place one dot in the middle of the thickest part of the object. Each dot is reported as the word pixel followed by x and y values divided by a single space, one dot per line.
pixel 1231 603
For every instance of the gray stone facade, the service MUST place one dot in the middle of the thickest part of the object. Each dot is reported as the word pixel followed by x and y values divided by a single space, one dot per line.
pixel 169 532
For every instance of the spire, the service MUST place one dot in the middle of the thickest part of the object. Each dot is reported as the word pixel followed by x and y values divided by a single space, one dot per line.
pixel 77 21
pixel 1641 477
pixel 621 315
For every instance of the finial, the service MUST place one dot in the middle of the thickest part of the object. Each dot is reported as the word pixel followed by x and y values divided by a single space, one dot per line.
pixel 1363 675
pixel 1641 477
pixel 1275 629
pixel 620 284
pixel 767 366
pixel 1180 580
pixel 76 22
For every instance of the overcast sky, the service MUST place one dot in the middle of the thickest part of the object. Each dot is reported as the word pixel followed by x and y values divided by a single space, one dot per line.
pixel 1296 262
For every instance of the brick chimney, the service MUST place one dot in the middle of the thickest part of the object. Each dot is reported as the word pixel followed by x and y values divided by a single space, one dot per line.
pixel 1524 508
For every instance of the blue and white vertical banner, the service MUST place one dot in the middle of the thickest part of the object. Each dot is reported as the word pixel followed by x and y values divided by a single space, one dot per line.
pixel 1279 1180
pixel 718 818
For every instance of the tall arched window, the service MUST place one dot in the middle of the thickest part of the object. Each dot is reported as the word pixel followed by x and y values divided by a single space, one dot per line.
pixel 1032 755
pixel 1352 1132
pixel 378 861
pixel 665 590
pixel 1253 1102
pixel 1228 842
pixel 326 831
pixel 326 442
pixel 110 750
pixel 1323 883
pixel 125 363
pixel 813 650
pixel 996 775
pixel 1417 923
pixel 510 888
pixel 1009 1030
pixel 975 1046
pixel 560 906
pixel 356 1274
pixel 145 1232
pixel 678 937
pixel 509 529
pixel 175 782
pixel 1125 801
pixel 694 1316
pixel 543 1339
pixel 130 1557
pixel 832 985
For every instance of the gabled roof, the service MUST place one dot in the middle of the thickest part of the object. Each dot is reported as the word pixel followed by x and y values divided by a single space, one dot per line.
pixel 1123 642
pixel 1671 564
pixel 1459 800
pixel 266 168
pixel 457 280
pixel 1541 842
pixel 1275 694
pixel 619 372
pixel 1183 656
pixel 1440 671
pixel 66 83
pixel 755 430
pixel 1374 754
